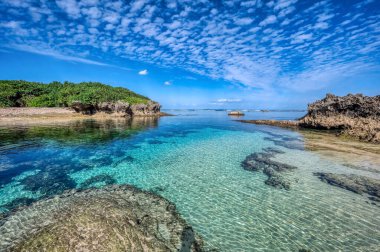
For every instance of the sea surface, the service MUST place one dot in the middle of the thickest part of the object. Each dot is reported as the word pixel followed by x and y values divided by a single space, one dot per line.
pixel 194 160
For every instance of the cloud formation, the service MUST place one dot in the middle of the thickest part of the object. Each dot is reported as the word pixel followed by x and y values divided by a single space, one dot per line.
pixel 291 44
pixel 143 72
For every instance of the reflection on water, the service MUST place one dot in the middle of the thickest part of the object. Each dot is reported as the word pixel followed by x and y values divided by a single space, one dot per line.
pixel 195 162
pixel 74 131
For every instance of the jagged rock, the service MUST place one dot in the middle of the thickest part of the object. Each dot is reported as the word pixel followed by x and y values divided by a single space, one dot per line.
pixel 80 107
pixel 356 116
pixel 354 183
pixel 118 108
pixel 115 218
pixel 148 109
pixel 349 105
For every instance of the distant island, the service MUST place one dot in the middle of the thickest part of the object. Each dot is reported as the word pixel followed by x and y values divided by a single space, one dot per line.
pixel 357 116
pixel 89 98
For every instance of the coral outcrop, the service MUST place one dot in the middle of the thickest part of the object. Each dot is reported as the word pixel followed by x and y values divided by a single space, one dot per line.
pixel 115 218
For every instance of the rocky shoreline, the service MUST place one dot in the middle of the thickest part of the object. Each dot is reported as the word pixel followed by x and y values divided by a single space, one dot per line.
pixel 114 218
pixel 356 116
pixel 79 110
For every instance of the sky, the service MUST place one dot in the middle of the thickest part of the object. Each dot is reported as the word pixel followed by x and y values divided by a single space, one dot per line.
pixel 252 54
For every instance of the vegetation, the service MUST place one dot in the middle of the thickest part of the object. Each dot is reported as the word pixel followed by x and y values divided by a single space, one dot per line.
pixel 14 93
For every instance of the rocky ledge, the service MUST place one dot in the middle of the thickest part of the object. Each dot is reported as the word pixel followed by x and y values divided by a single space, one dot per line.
pixel 354 183
pixel 356 116
pixel 115 218
pixel 118 108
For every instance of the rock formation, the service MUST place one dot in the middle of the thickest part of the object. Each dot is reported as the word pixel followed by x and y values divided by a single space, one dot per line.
pixel 356 116
pixel 115 218
pixel 353 115
pixel 236 113
pixel 118 108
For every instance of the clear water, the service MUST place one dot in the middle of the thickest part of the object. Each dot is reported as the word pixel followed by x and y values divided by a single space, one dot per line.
pixel 193 160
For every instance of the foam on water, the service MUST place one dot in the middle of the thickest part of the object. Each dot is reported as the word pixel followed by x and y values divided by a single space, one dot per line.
pixel 195 163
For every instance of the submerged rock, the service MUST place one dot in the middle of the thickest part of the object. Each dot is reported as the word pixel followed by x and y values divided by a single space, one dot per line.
pixel 115 218
pixel 101 178
pixel 262 162
pixel 354 183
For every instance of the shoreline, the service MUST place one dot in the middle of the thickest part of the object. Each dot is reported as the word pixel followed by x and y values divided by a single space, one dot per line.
pixel 45 113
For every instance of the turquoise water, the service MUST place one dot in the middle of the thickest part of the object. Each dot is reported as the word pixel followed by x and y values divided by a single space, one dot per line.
pixel 194 160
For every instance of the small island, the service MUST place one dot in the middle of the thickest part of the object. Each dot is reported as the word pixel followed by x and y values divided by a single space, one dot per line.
pixel 67 99
pixel 356 116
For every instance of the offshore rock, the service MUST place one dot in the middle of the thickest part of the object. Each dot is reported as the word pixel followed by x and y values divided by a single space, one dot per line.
pixel 118 108
pixel 115 218
pixel 354 183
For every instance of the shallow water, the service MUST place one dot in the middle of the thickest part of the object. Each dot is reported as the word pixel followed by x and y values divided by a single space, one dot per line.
pixel 193 160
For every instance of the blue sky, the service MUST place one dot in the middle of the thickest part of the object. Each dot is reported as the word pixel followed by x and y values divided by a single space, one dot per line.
pixel 198 54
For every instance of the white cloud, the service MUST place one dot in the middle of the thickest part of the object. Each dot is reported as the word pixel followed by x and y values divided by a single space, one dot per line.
pixel 168 83
pixel 70 7
pixel 229 41
pixel 143 72
pixel 243 21
pixel 224 100
pixel 269 20
pixel 321 25
pixel 52 53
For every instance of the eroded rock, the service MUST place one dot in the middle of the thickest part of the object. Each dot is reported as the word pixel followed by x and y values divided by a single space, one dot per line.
pixel 357 116
pixel 118 108
pixel 115 218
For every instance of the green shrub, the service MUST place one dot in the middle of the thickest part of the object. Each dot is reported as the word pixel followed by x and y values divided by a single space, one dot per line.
pixel 56 94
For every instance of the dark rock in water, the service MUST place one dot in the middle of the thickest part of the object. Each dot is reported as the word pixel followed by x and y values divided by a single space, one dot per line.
pixel 115 218
pixel 262 162
pixel 275 179
pixel 354 183
pixel 128 159
pixel 18 202
pixel 107 179
pixel 49 182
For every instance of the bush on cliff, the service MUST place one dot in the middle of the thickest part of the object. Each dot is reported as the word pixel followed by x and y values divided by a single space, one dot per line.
pixel 18 93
